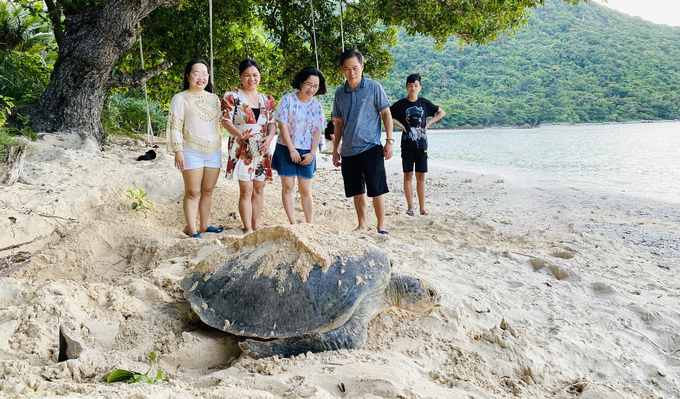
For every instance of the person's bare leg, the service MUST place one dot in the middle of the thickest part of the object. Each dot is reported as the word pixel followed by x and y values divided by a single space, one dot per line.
pixel 360 207
pixel 408 189
pixel 379 207
pixel 258 200
pixel 210 176
pixel 420 188
pixel 305 187
pixel 192 191
pixel 245 207
pixel 287 187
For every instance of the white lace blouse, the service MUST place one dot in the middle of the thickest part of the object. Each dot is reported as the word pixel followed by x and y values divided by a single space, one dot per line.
pixel 194 122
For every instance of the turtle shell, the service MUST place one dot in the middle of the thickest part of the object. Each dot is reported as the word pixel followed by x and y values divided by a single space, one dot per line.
pixel 240 296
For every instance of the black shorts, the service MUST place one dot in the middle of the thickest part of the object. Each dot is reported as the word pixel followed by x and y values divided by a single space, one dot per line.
pixel 365 171
pixel 415 156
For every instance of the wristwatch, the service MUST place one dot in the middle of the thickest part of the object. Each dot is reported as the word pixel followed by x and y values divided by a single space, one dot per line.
pixel 389 140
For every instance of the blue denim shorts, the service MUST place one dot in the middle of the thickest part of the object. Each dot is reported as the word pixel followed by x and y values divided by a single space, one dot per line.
pixel 194 159
pixel 285 167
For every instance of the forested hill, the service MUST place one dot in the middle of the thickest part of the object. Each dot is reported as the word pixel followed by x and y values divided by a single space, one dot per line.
pixel 570 64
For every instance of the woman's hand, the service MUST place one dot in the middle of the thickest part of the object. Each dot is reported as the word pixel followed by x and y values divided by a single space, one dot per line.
pixel 179 160
pixel 307 159
pixel 295 156
pixel 264 144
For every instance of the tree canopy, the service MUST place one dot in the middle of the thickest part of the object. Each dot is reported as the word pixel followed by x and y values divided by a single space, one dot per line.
pixel 95 41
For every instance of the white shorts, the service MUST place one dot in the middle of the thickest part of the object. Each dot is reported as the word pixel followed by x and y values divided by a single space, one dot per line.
pixel 194 159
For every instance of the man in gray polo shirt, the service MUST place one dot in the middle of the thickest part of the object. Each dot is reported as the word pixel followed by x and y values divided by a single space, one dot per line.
pixel 357 110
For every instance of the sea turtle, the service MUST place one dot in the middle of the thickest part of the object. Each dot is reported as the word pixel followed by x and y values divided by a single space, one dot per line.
pixel 276 285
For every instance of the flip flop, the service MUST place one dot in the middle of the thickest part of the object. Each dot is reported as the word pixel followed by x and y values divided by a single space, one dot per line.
pixel 383 232
pixel 197 235
pixel 213 229
pixel 410 213
pixel 425 213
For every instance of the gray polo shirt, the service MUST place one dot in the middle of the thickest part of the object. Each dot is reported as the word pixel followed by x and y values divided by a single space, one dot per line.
pixel 359 110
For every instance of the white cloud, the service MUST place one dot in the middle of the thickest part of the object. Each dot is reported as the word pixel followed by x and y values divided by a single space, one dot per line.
pixel 658 11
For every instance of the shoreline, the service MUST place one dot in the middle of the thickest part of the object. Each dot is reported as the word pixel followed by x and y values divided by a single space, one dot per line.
pixel 545 291
pixel 524 127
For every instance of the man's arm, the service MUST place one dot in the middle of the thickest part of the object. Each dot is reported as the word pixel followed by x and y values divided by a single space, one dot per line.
pixel 337 137
pixel 389 126
pixel 440 114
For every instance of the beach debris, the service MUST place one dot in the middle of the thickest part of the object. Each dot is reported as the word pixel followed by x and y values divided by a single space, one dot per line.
pixel 560 272
pixel 507 327
pixel 151 154
pixel 537 263
pixel 68 347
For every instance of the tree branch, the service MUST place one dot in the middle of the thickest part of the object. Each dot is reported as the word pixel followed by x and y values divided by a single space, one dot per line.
pixel 55 17
pixel 138 77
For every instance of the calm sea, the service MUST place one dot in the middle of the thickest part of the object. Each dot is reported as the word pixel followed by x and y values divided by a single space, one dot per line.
pixel 641 159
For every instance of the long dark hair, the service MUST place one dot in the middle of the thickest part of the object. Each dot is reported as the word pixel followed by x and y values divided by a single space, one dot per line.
pixel 187 70
pixel 245 64
pixel 304 74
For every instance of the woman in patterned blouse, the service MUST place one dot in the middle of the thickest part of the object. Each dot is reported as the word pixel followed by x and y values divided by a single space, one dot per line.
pixel 301 119
pixel 248 116
pixel 195 136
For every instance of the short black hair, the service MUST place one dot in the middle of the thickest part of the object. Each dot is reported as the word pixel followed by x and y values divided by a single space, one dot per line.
pixel 347 54
pixel 245 64
pixel 414 77
pixel 187 70
pixel 304 74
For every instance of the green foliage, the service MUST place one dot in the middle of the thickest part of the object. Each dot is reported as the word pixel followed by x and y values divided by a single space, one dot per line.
pixel 6 105
pixel 570 64
pixel 23 76
pixel 7 141
pixel 139 202
pixel 131 377
pixel 27 53
pixel 20 128
pixel 125 113
pixel 23 27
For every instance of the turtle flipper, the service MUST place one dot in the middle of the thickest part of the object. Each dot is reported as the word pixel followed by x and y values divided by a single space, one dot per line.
pixel 351 335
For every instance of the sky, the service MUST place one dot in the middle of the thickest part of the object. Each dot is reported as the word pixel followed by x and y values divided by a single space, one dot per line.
pixel 658 11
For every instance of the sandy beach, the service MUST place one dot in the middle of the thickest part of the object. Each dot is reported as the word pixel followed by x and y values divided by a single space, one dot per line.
pixel 546 293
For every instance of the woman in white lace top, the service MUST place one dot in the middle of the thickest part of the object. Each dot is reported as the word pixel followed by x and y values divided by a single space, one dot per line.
pixel 195 136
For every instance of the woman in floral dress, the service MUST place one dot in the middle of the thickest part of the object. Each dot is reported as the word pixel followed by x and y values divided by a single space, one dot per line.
pixel 248 116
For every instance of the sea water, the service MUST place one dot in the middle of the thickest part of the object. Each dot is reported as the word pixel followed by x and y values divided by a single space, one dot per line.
pixel 641 159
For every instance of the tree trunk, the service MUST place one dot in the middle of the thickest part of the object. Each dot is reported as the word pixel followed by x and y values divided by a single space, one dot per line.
pixel 93 41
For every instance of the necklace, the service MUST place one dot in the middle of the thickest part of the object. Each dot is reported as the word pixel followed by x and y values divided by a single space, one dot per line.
pixel 250 100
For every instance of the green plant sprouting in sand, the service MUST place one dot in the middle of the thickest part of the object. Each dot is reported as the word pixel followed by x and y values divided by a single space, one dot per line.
pixel 139 203
pixel 120 375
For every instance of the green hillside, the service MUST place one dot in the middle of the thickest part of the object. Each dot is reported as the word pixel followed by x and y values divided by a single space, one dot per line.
pixel 570 64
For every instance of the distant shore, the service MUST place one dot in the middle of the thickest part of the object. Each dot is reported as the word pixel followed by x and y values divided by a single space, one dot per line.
pixel 480 127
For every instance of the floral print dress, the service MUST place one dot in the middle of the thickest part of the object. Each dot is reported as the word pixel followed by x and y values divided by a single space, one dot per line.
pixel 235 109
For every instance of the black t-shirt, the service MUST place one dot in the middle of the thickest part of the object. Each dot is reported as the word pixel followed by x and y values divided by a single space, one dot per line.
pixel 330 129
pixel 413 116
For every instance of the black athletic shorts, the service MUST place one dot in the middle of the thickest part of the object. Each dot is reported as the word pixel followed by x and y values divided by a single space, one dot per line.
pixel 415 156
pixel 365 171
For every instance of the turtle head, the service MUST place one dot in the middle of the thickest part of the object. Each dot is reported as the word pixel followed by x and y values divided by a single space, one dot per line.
pixel 412 293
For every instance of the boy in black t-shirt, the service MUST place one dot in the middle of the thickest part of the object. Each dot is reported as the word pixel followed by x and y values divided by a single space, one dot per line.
pixel 410 115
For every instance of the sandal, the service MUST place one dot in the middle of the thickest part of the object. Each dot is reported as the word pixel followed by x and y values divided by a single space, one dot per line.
pixel 424 213
pixel 213 229
pixel 410 213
